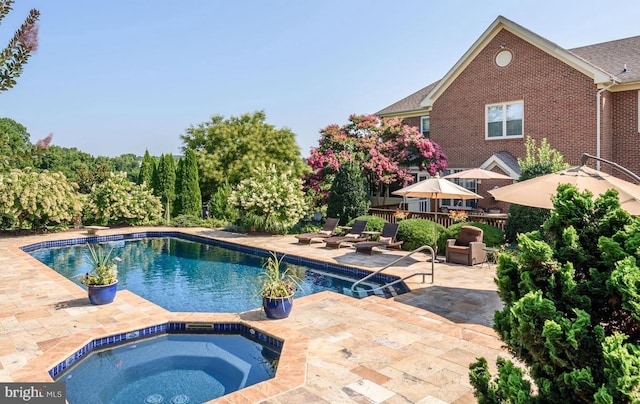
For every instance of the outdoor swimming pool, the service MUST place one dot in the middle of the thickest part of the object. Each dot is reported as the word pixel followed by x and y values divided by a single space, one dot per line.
pixel 171 368
pixel 191 275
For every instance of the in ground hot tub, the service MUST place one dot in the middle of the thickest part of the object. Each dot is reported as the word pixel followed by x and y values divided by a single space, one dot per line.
pixel 174 367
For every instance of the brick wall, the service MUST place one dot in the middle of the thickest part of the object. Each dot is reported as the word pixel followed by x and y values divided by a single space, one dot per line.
pixel 626 143
pixel 559 104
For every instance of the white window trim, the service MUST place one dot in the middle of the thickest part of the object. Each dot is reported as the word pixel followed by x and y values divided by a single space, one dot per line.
pixel 422 121
pixel 504 121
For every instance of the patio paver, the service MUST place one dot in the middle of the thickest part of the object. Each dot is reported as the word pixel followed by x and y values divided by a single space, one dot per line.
pixel 414 348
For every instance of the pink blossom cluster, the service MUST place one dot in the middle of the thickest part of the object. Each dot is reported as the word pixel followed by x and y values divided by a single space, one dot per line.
pixel 385 149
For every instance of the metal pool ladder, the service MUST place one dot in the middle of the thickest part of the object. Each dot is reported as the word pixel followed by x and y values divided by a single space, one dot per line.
pixel 424 247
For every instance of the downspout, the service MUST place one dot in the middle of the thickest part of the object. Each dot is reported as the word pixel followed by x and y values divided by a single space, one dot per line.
pixel 598 119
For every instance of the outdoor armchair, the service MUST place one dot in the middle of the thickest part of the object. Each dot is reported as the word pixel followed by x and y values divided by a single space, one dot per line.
pixel 468 248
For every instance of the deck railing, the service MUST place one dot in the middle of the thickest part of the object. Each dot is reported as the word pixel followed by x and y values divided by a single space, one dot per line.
pixel 441 218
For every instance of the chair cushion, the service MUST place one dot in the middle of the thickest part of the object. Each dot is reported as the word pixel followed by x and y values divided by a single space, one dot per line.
pixel 458 249
pixel 469 234
pixel 351 235
pixel 325 232
pixel 386 240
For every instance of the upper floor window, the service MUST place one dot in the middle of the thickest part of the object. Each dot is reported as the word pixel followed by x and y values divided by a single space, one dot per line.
pixel 505 120
pixel 424 126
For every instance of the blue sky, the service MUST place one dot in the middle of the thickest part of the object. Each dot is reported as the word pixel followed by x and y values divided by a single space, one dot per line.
pixel 115 77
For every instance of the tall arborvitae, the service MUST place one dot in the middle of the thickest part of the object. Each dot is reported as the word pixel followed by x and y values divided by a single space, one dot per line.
pixel 348 197
pixel 188 197
pixel 165 180
pixel 146 169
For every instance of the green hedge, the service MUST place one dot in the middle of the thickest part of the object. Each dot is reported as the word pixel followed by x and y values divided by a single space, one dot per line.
pixel 418 232
pixel 374 223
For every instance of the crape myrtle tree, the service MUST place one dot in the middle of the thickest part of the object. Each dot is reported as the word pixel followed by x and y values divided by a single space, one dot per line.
pixel 19 48
pixel 228 149
pixel 348 197
pixel 188 197
pixel 571 308
pixel 383 148
pixel 537 162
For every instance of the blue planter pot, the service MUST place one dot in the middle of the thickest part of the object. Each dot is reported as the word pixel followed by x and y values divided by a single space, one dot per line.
pixel 278 307
pixel 102 294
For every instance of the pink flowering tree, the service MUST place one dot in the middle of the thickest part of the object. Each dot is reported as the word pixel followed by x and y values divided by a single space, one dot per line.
pixel 384 148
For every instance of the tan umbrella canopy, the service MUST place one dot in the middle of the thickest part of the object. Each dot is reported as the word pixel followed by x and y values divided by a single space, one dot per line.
pixel 478 174
pixel 436 188
pixel 537 192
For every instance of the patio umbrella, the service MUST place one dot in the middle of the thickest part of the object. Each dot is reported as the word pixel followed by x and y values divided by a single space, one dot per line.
pixel 537 192
pixel 436 188
pixel 478 174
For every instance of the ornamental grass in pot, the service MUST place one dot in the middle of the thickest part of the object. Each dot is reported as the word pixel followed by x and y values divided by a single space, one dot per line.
pixel 277 286
pixel 102 281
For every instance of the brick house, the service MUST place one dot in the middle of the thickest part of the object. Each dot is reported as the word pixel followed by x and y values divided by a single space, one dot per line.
pixel 512 84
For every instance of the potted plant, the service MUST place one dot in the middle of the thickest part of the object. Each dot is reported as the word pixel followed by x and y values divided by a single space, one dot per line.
pixel 277 287
pixel 102 281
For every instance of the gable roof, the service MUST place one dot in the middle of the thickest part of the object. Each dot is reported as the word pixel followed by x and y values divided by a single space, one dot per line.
pixel 408 104
pixel 604 63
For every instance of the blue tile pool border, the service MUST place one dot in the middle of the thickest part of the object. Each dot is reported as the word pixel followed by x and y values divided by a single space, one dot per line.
pixel 212 328
pixel 339 269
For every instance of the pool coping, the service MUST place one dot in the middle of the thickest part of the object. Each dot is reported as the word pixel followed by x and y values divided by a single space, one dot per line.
pixel 68 317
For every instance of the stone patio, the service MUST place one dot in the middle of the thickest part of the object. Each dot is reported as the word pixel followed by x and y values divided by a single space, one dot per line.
pixel 414 348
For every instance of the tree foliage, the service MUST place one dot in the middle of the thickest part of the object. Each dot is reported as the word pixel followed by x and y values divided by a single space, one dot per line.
pixel 228 150
pixel 37 199
pixel 348 197
pixel 571 306
pixel 119 200
pixel 269 200
pixel 147 167
pixel 538 161
pixel 383 148
pixel 188 197
pixel 19 49
pixel 15 145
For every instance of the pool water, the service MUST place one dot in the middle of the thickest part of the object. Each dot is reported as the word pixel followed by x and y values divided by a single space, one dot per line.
pixel 173 368
pixel 182 275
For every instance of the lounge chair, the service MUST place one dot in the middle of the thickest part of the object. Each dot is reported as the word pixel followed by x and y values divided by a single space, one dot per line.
pixel 327 231
pixel 354 236
pixel 387 240
pixel 469 248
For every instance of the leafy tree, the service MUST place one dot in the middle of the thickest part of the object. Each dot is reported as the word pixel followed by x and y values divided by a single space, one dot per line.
pixel 119 200
pixel 228 150
pixel 571 307
pixel 383 148
pixel 147 168
pixel 537 162
pixel 188 197
pixel 128 163
pixel 38 198
pixel 219 206
pixel 348 197
pixel 269 200
pixel 18 51
pixel 15 144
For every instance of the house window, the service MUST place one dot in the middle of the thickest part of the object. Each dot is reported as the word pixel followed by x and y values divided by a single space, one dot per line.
pixel 471 185
pixel 424 126
pixel 505 120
